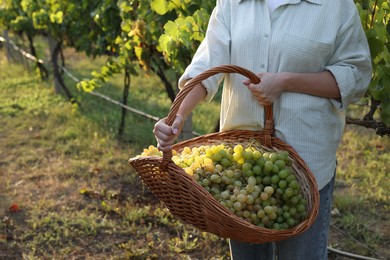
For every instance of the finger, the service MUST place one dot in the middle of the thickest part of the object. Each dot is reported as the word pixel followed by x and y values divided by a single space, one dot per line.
pixel 164 144
pixel 253 87
pixel 263 100
pixel 162 128
pixel 164 148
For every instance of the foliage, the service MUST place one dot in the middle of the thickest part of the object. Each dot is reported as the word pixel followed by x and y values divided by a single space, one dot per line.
pixel 375 17
pixel 183 35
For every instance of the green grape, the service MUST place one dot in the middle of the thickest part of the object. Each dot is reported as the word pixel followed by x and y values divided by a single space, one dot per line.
pixel 292 211
pixel 225 194
pixel 291 222
pixel 247 154
pixel 257 169
pixel 301 208
pixel 275 168
pixel 260 213
pixel 282 155
pixel 259 180
pixel 265 220
pixel 246 213
pixel 256 154
pixel 294 200
pixel 250 199
pixel 289 192
pixel 260 162
pixel 217 157
pixel 225 179
pixel 275 179
pixel 264 196
pixel 249 173
pixel 206 182
pixel 280 163
pixel 282 184
pixel 268 166
pixel 266 155
pixel 241 198
pixel 225 162
pixel 293 184
pixel 269 190
pixel 267 180
pixel 215 178
pixel 273 157
pixel 251 181
pixel 233 198
pixel 276 226
pixel 237 184
pixel 237 206
pixel 272 215
pixel 250 188
pixel 284 173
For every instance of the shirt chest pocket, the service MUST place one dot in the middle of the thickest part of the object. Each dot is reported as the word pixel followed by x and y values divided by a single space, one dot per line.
pixel 300 54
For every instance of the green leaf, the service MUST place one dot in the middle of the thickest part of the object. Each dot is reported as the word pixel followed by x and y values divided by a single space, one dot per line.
pixel 376 46
pixel 165 43
pixel 125 7
pixel 171 29
pixel 159 6
pixel 105 70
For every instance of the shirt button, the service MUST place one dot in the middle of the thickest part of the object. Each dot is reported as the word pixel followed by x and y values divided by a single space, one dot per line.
pixel 265 35
pixel 262 66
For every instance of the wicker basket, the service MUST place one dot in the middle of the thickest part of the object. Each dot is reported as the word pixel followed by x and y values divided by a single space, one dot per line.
pixel 193 205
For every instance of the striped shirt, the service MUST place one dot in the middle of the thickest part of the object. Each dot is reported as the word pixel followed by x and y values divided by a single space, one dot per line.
pixel 300 36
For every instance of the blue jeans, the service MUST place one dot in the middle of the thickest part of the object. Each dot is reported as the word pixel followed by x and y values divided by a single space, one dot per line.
pixel 310 245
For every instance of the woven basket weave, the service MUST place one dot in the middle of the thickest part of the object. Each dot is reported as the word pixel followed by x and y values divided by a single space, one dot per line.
pixel 193 205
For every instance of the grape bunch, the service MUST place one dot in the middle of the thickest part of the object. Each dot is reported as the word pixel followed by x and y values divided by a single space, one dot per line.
pixel 255 184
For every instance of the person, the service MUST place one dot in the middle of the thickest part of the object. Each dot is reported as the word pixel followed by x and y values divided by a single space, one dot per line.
pixel 313 60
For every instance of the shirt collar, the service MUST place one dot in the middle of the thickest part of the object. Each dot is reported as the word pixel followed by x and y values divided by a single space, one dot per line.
pixel 318 2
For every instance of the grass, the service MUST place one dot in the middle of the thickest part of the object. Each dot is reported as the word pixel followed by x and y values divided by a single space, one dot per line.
pixel 67 192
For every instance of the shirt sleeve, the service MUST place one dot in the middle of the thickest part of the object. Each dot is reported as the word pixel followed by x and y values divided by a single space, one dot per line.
pixel 213 51
pixel 351 62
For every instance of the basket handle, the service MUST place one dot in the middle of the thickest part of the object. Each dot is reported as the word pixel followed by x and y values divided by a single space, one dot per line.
pixel 269 123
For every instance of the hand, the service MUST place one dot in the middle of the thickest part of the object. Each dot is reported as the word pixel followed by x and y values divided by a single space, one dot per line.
pixel 268 90
pixel 165 134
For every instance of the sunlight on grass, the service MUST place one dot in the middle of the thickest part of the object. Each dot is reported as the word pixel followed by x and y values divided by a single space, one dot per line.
pixel 363 163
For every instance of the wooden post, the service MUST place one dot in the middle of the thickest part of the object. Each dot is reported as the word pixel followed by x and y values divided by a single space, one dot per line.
pixel 186 132
pixel 8 47
pixel 52 45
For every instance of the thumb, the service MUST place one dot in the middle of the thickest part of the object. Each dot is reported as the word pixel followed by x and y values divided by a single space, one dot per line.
pixel 246 82
pixel 177 124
